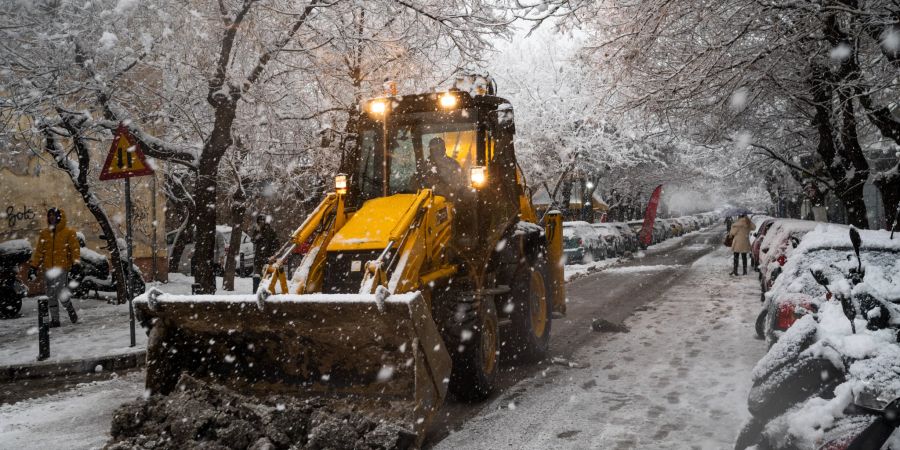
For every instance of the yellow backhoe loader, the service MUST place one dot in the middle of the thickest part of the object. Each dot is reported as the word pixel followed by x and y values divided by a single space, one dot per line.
pixel 415 282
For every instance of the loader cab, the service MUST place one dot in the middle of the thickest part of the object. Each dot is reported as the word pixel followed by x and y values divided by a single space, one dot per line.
pixel 393 144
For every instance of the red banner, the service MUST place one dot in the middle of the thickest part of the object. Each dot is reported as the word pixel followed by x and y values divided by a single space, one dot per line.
pixel 650 217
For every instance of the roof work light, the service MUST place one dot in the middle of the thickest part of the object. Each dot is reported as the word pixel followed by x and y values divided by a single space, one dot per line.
pixel 378 106
pixel 447 100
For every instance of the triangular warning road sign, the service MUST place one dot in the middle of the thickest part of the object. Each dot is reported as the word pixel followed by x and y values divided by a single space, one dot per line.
pixel 125 158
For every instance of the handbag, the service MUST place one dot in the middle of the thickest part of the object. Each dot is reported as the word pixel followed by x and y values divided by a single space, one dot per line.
pixel 728 240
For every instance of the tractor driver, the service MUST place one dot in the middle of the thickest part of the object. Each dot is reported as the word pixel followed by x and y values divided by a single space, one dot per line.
pixel 442 173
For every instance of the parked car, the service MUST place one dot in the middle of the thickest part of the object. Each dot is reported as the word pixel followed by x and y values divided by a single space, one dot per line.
pixel 244 263
pixel 808 390
pixel 661 231
pixel 632 243
pixel 223 238
pixel 615 242
pixel 825 250
pixel 582 243
pixel 758 237
pixel 777 247
pixel 676 228
pixel 12 290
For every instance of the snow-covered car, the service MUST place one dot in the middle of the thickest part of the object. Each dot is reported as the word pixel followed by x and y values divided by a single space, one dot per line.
pixel 582 243
pixel 844 342
pixel 661 231
pixel 826 250
pixel 244 256
pixel 632 243
pixel 615 242
pixel 676 227
pixel 757 238
pixel 777 246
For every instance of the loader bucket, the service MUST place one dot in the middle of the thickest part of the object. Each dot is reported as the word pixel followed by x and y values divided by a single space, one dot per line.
pixel 380 357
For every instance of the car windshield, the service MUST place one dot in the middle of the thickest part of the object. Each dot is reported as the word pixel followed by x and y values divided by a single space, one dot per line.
pixel 408 138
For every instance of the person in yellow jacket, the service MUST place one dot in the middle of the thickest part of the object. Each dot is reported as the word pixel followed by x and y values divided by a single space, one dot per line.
pixel 57 253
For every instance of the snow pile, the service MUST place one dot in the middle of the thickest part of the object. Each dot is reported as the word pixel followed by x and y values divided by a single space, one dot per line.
pixel 203 415
pixel 15 250
pixel 636 269
pixel 874 366
pixel 575 271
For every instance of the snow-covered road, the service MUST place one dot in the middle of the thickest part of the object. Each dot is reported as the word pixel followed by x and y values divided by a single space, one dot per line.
pixel 678 379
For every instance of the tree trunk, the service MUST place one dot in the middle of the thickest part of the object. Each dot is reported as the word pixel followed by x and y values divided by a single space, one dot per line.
pixel 205 193
pixel 850 170
pixel 238 209
pixel 80 181
pixel 180 243
pixel 205 214
pixel 889 186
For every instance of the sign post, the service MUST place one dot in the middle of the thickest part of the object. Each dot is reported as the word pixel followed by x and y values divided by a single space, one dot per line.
pixel 126 160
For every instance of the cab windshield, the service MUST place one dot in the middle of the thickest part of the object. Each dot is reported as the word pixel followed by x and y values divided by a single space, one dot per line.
pixel 407 150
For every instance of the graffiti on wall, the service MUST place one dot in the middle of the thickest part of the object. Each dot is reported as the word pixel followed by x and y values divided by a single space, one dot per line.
pixel 17 216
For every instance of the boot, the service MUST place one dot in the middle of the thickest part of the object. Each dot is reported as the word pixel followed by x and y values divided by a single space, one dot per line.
pixel 54 324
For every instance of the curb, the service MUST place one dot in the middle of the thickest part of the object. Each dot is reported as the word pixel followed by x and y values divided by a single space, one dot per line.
pixel 72 367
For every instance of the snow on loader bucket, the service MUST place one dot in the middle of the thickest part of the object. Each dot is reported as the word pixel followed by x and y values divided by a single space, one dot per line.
pixel 381 356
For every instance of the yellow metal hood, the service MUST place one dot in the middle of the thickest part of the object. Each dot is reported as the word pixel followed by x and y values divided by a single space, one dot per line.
pixel 370 228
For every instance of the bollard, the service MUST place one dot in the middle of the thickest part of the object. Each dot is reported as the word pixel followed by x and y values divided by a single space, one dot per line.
pixel 43 328
pixel 256 280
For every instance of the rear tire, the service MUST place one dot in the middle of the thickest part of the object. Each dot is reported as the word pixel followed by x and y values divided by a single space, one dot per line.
pixel 531 313
pixel 473 345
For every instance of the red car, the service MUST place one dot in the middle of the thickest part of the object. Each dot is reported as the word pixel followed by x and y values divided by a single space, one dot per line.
pixel 757 241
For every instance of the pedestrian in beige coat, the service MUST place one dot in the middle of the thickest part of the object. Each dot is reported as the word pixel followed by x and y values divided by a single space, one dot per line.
pixel 740 242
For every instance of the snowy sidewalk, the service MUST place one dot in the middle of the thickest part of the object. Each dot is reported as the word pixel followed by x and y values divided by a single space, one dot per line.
pixel 101 334
pixel 677 380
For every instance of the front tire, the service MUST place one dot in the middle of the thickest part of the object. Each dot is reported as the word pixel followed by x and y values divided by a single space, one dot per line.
pixel 473 346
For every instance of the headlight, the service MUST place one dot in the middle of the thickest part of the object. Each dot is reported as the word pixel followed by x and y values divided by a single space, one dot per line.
pixel 447 101
pixel 340 183
pixel 478 176
pixel 377 107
